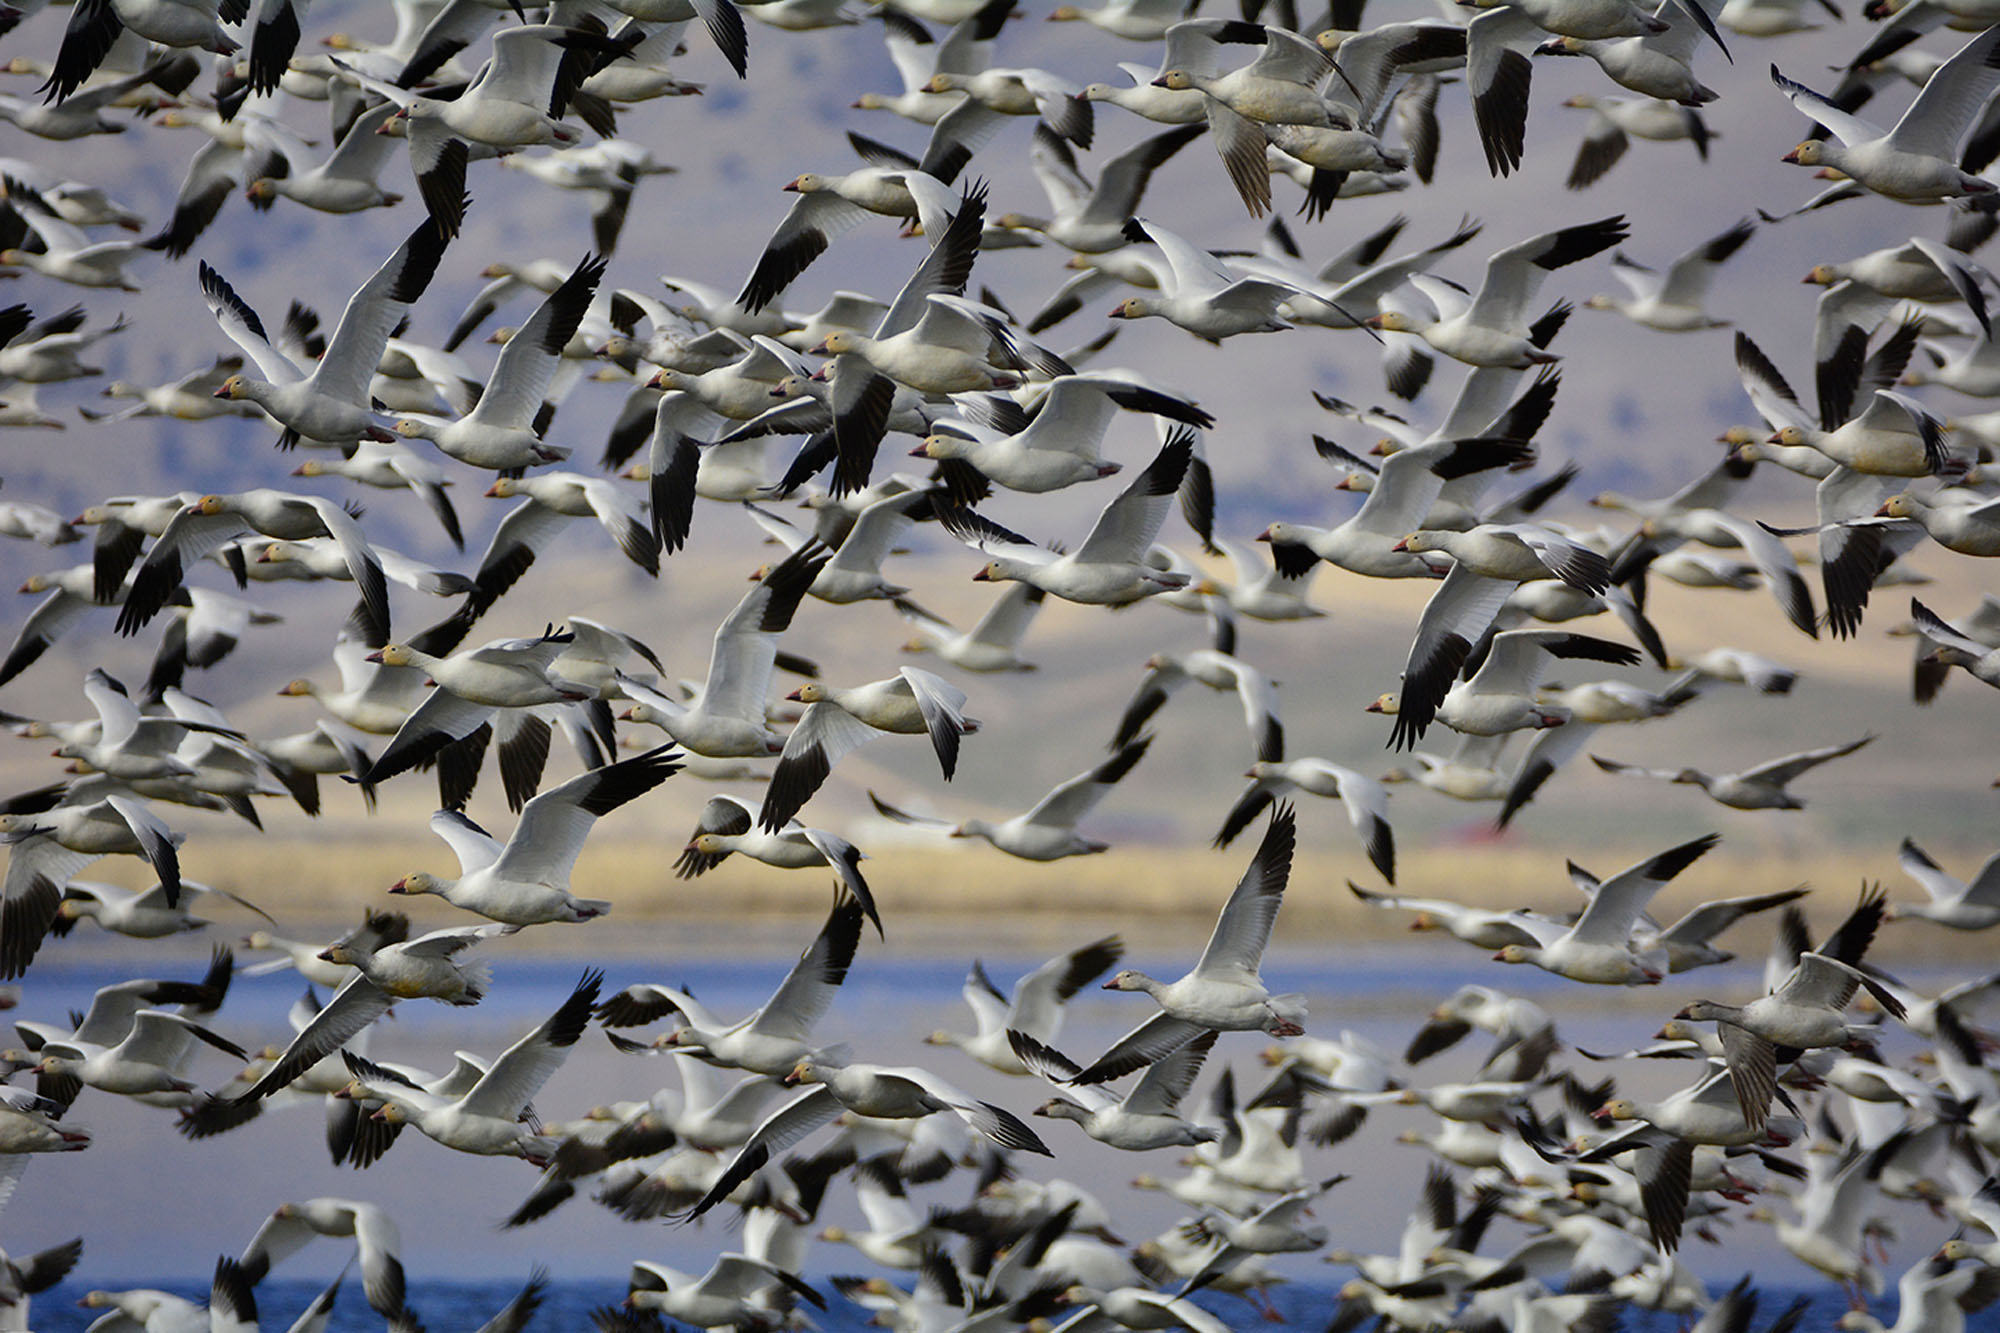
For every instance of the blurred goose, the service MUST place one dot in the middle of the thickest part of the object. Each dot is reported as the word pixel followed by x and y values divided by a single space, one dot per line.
pixel 1759 788
pixel 67 253
pixel 992 644
pixel 1048 831
pixel 526 881
pixel 51 845
pixel 1972 904
pixel 1200 294
pixel 1365 800
pixel 1058 446
pixel 292 1226
pixel 736 1290
pixel 1951 647
pixel 145 915
pixel 1035 1009
pixel 1616 121
pixel 906 1093
pixel 1672 302
pixel 1223 992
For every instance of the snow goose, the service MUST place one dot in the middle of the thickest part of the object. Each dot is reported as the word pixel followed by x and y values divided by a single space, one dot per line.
pixel 1737 666
pixel 431 966
pixel 737 1290
pixel 727 719
pixel 330 404
pixel 487 1119
pixel 1933 1294
pixel 506 674
pixel 376 931
pixel 1109 568
pixel 917 55
pixel 1365 800
pixel 1658 65
pixel 1024 92
pixel 1401 497
pixel 1672 302
pixel 1087 218
pixel 1479 927
pixel 1219 669
pixel 1972 904
pixel 992 644
pixel 67 253
pixel 526 881
pixel 506 106
pixel 1761 788
pixel 1616 121
pixel 1969 529
pixel 1500 696
pixel 1489 562
pixel 831 203
pixel 1599 948
pixel 913 702
pixel 1802 1014
pixel 51 845
pixel 1035 1009
pixel 905 1093
pixel 1148 99
pixel 548 501
pixel 96 28
pixel 392 467
pixel 773 1038
pixel 141 1064
pixel 1134 20
pixel 1916 161
pixel 1952 647
pixel 503 430
pixel 727 824
pixel 1265 592
pixel 1202 295
pixel 292 1226
pixel 1057 446
pixel 855 572
pixel 1223 992
pixel 1145 1117
pixel 1491 329
pixel 1048 831
pixel 144 915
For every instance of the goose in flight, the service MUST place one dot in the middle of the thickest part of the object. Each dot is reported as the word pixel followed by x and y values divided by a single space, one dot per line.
pixel 525 881
pixel 486 1119
pixel 1046 832
pixel 1145 1117
pixel 1598 948
pixel 775 1036
pixel 906 1093
pixel 1917 160
pixel 992 644
pixel 1492 328
pixel 1110 567
pixel 1764 787
pixel 1365 800
pixel 329 403
pixel 1972 904
pixel 95 818
pixel 431 966
pixel 1489 562
pixel 728 824
pixel 1223 992
pixel 913 702
pixel 292 1226
pixel 504 429
pixel 727 718
pixel 1033 1011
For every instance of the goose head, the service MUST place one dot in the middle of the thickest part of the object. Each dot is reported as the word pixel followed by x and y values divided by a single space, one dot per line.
pixel 419 882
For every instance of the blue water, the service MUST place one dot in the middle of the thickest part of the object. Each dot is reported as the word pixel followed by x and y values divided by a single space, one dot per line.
pixel 458 1307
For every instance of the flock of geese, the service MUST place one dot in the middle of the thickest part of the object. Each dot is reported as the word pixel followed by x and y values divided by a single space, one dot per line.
pixel 1833 1097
